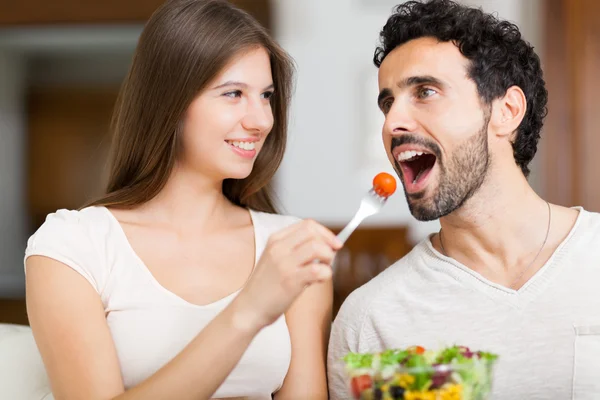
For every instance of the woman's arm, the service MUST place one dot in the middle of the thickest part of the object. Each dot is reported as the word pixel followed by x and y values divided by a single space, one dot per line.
pixel 69 324
pixel 309 321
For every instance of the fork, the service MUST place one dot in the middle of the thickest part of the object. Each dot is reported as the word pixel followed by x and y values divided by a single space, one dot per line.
pixel 370 204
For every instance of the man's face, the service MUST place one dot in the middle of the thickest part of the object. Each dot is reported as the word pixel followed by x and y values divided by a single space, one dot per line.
pixel 435 130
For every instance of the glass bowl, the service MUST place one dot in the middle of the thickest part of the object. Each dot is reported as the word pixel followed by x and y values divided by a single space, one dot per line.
pixel 419 376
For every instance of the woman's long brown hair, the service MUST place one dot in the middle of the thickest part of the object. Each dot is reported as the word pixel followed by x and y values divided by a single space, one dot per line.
pixel 184 45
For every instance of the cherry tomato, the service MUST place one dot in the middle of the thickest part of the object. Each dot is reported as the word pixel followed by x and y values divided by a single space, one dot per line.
pixel 416 349
pixel 384 184
pixel 359 384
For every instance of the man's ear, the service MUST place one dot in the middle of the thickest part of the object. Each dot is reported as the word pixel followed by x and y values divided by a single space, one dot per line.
pixel 508 112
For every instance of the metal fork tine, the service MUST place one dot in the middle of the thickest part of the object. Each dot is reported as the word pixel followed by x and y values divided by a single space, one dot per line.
pixel 370 204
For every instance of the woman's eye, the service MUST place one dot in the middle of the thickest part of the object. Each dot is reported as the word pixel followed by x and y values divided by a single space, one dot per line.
pixel 267 95
pixel 234 93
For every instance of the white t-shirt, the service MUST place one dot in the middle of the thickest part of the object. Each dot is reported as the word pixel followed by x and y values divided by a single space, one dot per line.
pixel 547 333
pixel 150 324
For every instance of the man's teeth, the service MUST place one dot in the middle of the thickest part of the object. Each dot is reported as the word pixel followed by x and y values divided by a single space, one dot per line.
pixel 243 145
pixel 408 155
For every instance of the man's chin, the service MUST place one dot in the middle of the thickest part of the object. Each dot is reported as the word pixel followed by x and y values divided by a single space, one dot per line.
pixel 431 211
pixel 424 215
pixel 423 210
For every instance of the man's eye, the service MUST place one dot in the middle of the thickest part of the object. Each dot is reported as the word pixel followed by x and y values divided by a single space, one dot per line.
pixel 386 105
pixel 423 93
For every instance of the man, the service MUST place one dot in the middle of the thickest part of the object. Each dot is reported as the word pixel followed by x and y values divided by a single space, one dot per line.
pixel 464 101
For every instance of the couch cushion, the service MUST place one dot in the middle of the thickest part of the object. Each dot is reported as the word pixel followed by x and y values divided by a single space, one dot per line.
pixel 22 373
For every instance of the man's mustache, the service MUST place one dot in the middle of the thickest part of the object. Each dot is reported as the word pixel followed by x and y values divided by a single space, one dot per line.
pixel 417 140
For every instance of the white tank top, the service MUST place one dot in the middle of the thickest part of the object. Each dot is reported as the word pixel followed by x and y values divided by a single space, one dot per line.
pixel 150 324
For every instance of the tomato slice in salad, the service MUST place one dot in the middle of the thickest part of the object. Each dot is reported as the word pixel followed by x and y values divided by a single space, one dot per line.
pixel 361 383
pixel 416 349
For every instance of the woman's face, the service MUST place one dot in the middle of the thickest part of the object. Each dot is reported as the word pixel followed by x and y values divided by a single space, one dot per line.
pixel 226 125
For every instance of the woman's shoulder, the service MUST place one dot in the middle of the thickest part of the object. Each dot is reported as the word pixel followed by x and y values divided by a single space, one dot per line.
pixel 78 224
pixel 273 222
pixel 76 238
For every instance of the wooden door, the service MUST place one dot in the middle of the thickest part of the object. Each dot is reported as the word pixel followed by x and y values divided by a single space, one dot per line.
pixel 571 134
pixel 67 147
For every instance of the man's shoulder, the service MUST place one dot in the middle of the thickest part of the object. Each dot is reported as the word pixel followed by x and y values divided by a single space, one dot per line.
pixel 389 278
pixel 590 220
pixel 586 231
pixel 382 287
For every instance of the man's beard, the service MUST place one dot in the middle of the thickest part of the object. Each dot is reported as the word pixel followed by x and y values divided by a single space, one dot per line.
pixel 459 180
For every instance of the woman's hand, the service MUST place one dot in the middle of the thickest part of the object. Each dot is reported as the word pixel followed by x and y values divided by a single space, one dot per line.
pixel 293 259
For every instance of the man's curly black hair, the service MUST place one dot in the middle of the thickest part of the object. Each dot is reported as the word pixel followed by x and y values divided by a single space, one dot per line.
pixel 499 58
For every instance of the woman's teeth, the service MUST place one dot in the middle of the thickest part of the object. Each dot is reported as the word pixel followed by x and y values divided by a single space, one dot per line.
pixel 408 155
pixel 244 145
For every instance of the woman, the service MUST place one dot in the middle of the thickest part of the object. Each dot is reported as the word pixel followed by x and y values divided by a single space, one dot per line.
pixel 182 282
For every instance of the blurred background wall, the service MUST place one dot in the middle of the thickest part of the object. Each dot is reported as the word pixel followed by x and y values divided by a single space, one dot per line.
pixel 61 65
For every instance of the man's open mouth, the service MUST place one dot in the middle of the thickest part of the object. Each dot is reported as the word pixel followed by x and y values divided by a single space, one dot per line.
pixel 416 166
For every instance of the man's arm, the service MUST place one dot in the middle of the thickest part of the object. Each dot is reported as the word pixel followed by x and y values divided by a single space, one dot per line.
pixel 344 338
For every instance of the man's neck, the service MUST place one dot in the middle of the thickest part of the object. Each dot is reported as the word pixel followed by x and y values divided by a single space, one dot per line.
pixel 500 230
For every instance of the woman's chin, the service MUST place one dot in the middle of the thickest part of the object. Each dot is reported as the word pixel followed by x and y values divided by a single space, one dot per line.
pixel 239 173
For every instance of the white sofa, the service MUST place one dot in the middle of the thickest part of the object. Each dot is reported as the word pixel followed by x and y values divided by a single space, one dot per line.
pixel 22 373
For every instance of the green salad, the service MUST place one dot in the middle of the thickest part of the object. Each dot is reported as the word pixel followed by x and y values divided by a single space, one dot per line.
pixel 414 373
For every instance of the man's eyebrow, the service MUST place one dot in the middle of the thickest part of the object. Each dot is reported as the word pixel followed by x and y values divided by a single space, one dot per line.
pixel 408 82
pixel 420 80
